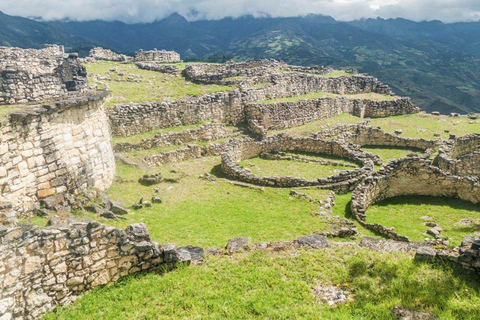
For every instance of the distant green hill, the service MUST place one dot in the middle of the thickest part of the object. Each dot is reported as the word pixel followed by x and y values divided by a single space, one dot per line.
pixel 26 33
pixel 436 64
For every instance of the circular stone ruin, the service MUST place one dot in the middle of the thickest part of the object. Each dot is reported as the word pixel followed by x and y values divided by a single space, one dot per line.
pixel 406 177
pixel 238 150
pixel 461 156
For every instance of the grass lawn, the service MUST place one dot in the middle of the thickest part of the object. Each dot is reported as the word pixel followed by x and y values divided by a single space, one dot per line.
pixel 206 213
pixel 413 126
pixel 283 168
pixel 404 213
pixel 152 85
pixel 262 285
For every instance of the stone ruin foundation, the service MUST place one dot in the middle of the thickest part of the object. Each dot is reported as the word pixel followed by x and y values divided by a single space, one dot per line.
pixel 237 150
pixel 29 75
pixel 158 56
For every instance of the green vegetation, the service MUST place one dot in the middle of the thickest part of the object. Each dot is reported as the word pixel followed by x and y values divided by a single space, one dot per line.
pixel 150 134
pixel 319 95
pixel 405 214
pixel 418 125
pixel 208 213
pixel 309 171
pixel 131 84
pixel 279 285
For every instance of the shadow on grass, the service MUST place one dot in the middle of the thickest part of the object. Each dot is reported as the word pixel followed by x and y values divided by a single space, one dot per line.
pixel 416 292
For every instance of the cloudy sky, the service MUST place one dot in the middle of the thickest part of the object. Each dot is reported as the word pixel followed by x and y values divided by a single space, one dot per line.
pixel 149 10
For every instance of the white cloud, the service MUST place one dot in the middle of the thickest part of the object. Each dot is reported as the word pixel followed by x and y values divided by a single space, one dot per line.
pixel 150 10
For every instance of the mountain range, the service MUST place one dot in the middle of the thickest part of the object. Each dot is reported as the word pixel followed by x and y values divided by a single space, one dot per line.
pixel 434 63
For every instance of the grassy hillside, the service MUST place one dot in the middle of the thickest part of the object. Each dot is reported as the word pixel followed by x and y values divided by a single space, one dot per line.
pixel 438 67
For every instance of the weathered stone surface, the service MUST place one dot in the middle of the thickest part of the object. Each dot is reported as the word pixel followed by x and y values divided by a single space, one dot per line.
pixel 117 208
pixel 425 254
pixel 238 244
pixel 30 75
pixel 401 313
pixel 55 150
pixel 314 241
pixel 72 258
pixel 158 55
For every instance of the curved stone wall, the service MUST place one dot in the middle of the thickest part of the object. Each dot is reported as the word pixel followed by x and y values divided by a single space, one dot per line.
pixel 461 156
pixel 51 150
pixel 237 150
pixel 406 177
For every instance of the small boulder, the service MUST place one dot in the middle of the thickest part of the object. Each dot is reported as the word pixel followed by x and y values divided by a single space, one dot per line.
pixel 401 313
pixel 398 131
pixel 137 206
pixel 196 254
pixel 94 208
pixel 425 254
pixel 434 232
pixel 314 241
pixel 213 251
pixel 435 113
pixel 147 204
pixel 237 244
pixel 156 199
pixel 151 179
pixel 138 231
pixel 117 208
pixel 110 215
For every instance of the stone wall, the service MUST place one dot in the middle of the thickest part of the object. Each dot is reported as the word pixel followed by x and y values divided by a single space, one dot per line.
pixel 282 115
pixel 28 75
pixel 99 53
pixel 51 150
pixel 408 176
pixel 237 150
pixel 461 156
pixel 191 151
pixel 218 73
pixel 205 133
pixel 229 107
pixel 43 268
pixel 157 55
pixel 130 119
pixel 364 135
pixel 163 68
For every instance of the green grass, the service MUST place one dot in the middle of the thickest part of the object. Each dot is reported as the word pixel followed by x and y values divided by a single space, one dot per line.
pixel 150 134
pixel 152 86
pixel 309 171
pixel 418 125
pixel 262 285
pixel 207 213
pixel 319 95
pixel 404 213
pixel 424 126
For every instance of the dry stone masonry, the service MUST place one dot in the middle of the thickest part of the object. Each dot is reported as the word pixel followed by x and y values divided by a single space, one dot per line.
pixel 99 53
pixel 29 75
pixel 46 267
pixel 205 133
pixel 158 55
pixel 409 176
pixel 240 149
pixel 461 156
pixel 52 150
pixel 232 107
pixel 155 66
